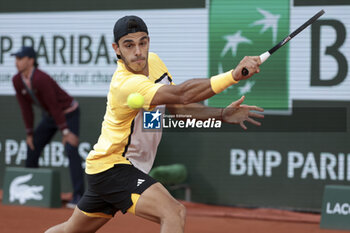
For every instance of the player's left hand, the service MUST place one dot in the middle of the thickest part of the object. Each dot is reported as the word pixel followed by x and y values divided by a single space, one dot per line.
pixel 70 138
pixel 236 113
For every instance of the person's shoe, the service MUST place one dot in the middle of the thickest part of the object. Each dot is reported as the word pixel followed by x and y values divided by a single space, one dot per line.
pixel 73 203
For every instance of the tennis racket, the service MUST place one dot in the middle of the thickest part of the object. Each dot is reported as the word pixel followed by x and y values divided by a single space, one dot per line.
pixel 267 54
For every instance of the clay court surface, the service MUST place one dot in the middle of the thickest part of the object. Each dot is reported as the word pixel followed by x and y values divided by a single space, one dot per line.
pixel 200 219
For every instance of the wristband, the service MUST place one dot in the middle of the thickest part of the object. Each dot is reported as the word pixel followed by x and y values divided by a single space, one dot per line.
pixel 222 81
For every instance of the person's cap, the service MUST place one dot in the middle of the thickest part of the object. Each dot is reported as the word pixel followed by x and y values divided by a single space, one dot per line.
pixel 25 51
pixel 128 24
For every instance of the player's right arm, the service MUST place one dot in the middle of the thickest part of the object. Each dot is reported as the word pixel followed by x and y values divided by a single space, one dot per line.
pixel 196 90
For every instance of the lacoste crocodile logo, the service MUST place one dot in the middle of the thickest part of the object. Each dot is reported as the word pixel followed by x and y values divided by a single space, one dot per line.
pixel 24 192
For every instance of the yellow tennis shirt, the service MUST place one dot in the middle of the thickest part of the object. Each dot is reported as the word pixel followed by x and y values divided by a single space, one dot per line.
pixel 122 140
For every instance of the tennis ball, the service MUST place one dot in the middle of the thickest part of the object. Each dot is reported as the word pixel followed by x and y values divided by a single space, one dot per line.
pixel 135 100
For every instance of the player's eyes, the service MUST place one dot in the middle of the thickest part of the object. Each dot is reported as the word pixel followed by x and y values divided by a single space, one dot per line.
pixel 143 43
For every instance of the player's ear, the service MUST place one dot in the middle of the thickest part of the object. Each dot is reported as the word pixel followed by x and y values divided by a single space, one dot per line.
pixel 116 48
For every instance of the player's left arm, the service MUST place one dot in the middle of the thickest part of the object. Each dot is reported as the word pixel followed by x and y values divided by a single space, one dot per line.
pixel 235 113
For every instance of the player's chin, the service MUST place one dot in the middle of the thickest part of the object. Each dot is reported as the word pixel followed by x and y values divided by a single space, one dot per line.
pixel 139 66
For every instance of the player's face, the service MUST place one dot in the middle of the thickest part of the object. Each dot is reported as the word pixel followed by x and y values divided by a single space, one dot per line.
pixel 133 48
pixel 23 63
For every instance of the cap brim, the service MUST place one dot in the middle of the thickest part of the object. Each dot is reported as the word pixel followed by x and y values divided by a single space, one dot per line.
pixel 17 54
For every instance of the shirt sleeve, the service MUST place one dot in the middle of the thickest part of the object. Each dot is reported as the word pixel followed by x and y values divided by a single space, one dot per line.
pixel 163 66
pixel 26 108
pixel 142 85
pixel 171 78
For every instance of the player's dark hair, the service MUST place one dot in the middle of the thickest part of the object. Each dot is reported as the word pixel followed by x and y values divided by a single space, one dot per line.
pixel 118 56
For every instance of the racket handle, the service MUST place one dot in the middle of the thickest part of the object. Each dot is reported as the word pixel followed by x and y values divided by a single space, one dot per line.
pixel 263 58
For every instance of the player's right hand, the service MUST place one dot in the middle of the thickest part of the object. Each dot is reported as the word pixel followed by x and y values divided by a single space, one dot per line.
pixel 70 138
pixel 251 63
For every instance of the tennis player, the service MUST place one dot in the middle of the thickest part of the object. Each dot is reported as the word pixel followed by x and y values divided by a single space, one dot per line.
pixel 117 166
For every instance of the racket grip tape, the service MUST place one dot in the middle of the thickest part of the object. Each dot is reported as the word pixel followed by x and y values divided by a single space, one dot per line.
pixel 264 57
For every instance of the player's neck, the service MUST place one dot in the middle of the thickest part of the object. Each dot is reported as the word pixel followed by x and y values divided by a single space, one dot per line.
pixel 145 71
pixel 27 72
